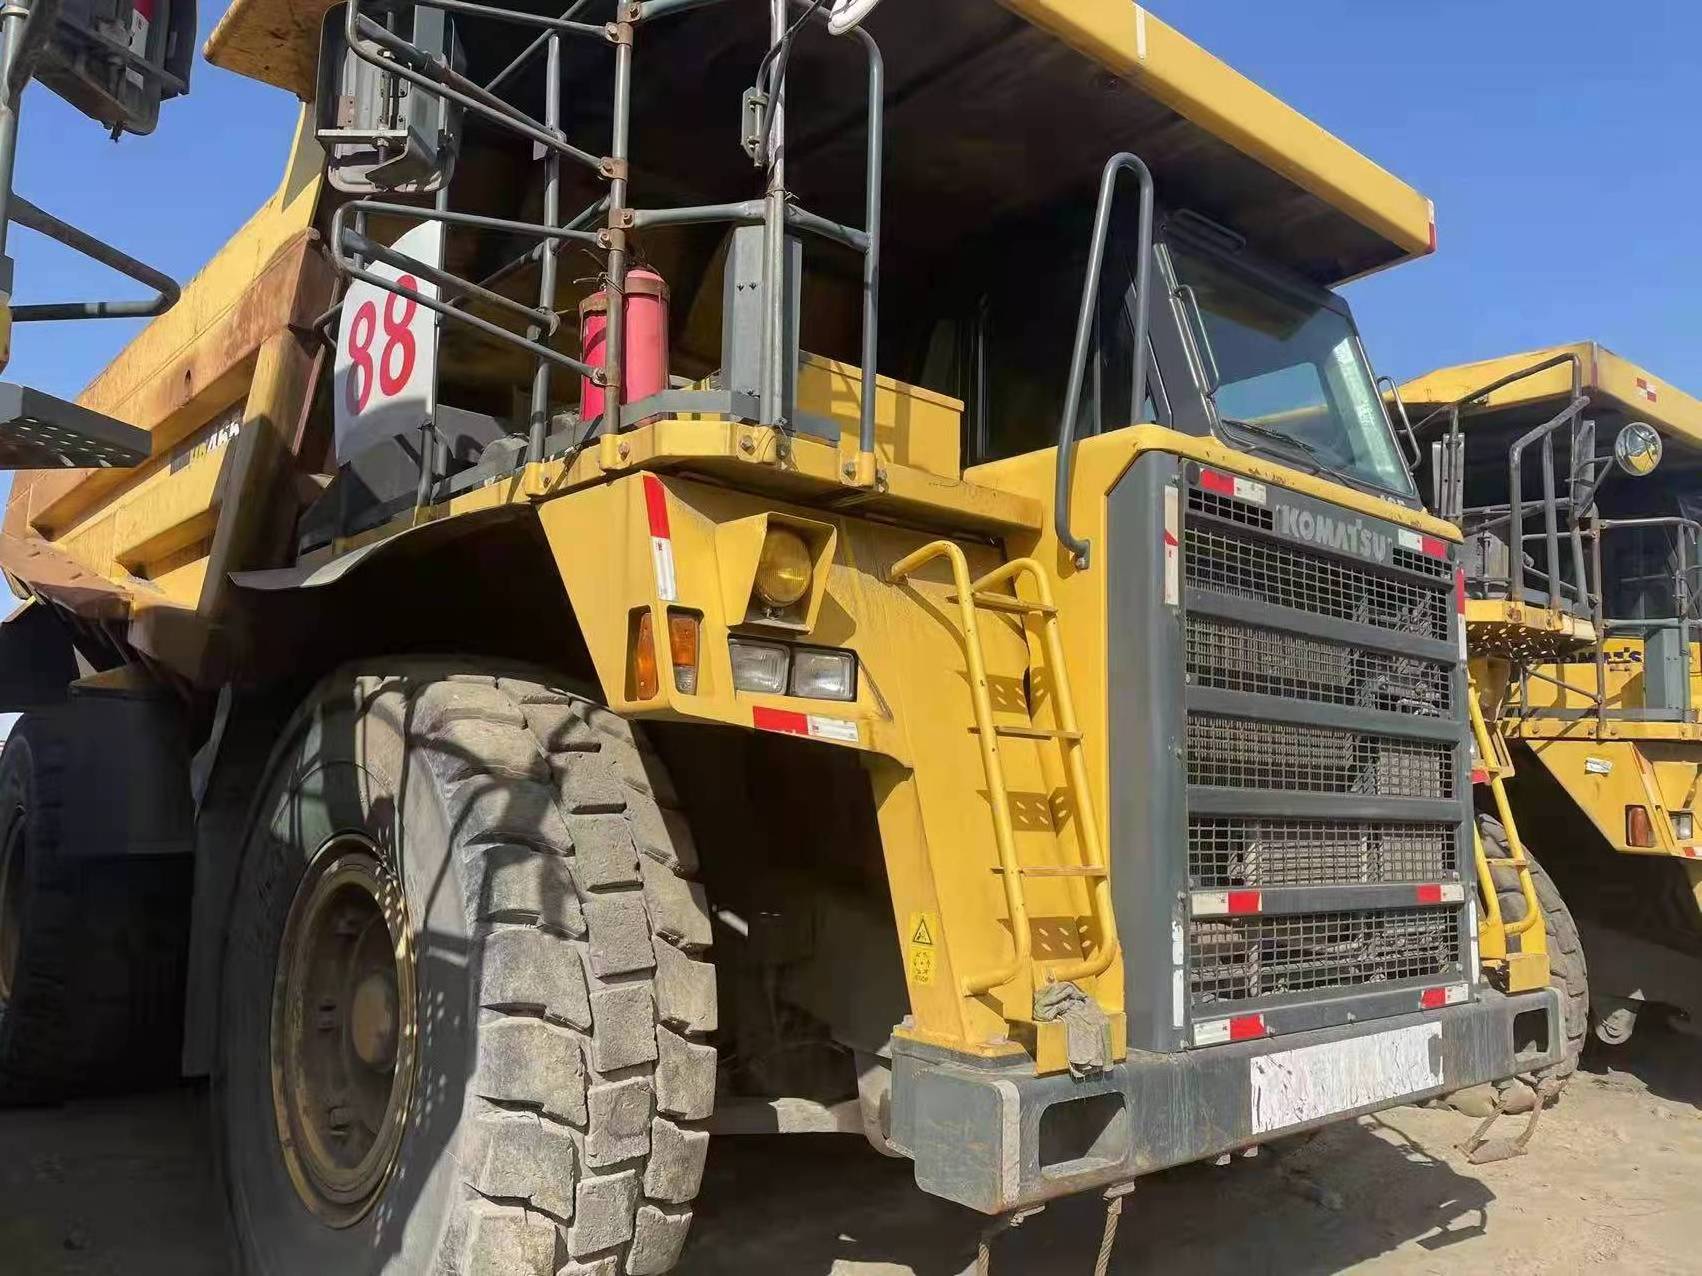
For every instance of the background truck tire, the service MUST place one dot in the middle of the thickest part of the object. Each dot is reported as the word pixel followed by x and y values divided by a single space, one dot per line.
pixel 1567 972
pixel 562 1076
pixel 92 948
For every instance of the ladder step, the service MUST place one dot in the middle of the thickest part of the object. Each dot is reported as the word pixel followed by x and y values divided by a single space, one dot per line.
pixel 1010 603
pixel 1051 870
pixel 1025 732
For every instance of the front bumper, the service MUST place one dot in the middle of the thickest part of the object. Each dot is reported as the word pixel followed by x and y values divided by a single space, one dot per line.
pixel 997 1138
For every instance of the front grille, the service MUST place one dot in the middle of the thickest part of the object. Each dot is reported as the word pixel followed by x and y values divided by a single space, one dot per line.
pixel 1258 690
pixel 1423 564
pixel 1250 851
pixel 1245 958
pixel 1228 508
pixel 1243 753
pixel 1218 561
pixel 1233 657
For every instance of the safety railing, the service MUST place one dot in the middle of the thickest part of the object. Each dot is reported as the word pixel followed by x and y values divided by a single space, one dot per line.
pixel 1557 575
pixel 608 224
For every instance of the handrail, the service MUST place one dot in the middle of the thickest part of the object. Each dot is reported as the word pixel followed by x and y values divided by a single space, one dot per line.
pixel 166 290
pixel 1123 161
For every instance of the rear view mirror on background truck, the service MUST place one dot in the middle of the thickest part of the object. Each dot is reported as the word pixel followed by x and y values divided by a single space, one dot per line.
pixel 1637 449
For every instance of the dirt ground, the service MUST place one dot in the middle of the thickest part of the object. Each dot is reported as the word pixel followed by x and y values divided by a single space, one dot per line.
pixel 1614 1183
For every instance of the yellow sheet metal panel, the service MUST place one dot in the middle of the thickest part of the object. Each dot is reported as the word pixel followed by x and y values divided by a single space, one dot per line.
pixel 194 359
pixel 914 426
pixel 1639 393
pixel 912 719
pixel 1131 41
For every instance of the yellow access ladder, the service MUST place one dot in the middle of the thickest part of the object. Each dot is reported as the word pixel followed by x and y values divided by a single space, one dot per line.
pixel 987 594
pixel 1529 967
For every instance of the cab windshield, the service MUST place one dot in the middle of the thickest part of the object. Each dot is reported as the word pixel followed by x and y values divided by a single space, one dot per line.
pixel 1289 373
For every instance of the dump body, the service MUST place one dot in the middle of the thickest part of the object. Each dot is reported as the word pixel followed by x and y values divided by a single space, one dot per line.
pixel 1145 828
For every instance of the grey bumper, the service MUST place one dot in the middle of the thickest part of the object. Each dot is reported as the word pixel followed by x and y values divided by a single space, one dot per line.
pixel 997 1139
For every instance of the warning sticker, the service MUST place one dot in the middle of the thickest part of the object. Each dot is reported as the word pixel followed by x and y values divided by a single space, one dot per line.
pixel 922 932
pixel 1598 766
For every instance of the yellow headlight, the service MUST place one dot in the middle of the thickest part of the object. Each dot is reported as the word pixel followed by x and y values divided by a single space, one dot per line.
pixel 784 569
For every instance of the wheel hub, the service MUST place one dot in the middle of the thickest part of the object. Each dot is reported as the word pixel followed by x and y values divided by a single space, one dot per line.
pixel 343 1030
pixel 11 903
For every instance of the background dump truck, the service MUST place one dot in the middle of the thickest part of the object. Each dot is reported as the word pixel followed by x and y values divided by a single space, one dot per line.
pixel 1586 649
pixel 595 709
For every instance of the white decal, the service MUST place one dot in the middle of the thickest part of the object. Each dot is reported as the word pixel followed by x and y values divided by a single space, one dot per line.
pixel 1598 766
pixel 1294 1086
pixel 1172 566
pixel 662 553
pixel 838 729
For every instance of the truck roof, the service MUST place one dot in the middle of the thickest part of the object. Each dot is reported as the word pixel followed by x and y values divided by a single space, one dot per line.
pixel 1109 75
pixel 1608 378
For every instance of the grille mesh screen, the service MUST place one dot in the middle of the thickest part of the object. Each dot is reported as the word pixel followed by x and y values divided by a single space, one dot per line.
pixel 1234 851
pixel 1233 657
pixel 1240 959
pixel 1218 561
pixel 1227 507
pixel 1245 754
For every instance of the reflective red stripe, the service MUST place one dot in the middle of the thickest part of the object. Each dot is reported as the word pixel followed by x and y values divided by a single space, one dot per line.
pixel 1460 591
pixel 787 720
pixel 656 506
pixel 1430 894
pixel 1433 998
pixel 1213 481
pixel 1246 1027
pixel 1245 901
pixel 1432 547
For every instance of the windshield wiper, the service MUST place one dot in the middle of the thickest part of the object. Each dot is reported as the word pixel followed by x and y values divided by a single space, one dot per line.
pixel 1320 463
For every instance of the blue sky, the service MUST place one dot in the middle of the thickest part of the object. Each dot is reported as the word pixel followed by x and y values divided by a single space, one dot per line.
pixel 1559 141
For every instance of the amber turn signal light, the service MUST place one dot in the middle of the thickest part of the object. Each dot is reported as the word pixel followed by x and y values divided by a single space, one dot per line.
pixel 641 677
pixel 1639 830
pixel 682 650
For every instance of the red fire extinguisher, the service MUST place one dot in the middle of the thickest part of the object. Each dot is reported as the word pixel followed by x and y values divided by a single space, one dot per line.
pixel 644 361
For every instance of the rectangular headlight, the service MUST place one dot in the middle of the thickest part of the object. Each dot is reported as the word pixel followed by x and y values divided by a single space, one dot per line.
pixel 760 666
pixel 1683 825
pixel 818 674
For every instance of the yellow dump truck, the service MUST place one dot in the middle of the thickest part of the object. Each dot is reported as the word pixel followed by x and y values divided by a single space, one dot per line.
pixel 703 568
pixel 1586 647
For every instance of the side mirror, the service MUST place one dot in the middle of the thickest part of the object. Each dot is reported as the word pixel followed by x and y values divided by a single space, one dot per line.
pixel 380 132
pixel 1637 450
pixel 847 15
pixel 114 60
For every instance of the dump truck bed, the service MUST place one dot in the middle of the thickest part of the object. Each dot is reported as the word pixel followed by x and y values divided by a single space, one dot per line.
pixel 1608 379
pixel 1111 72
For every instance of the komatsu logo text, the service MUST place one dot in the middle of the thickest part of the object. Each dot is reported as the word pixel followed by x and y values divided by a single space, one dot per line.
pixel 1349 535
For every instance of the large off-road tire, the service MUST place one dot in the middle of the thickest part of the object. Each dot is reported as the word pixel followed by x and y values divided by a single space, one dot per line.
pixel 548 1074
pixel 92 946
pixel 1566 969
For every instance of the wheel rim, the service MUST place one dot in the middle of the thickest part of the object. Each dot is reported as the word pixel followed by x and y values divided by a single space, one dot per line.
pixel 343 1031
pixel 11 903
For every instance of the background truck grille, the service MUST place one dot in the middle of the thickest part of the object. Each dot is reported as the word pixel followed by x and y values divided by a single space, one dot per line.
pixel 1222 562
pixel 1244 851
pixel 1283 710
pixel 1242 959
